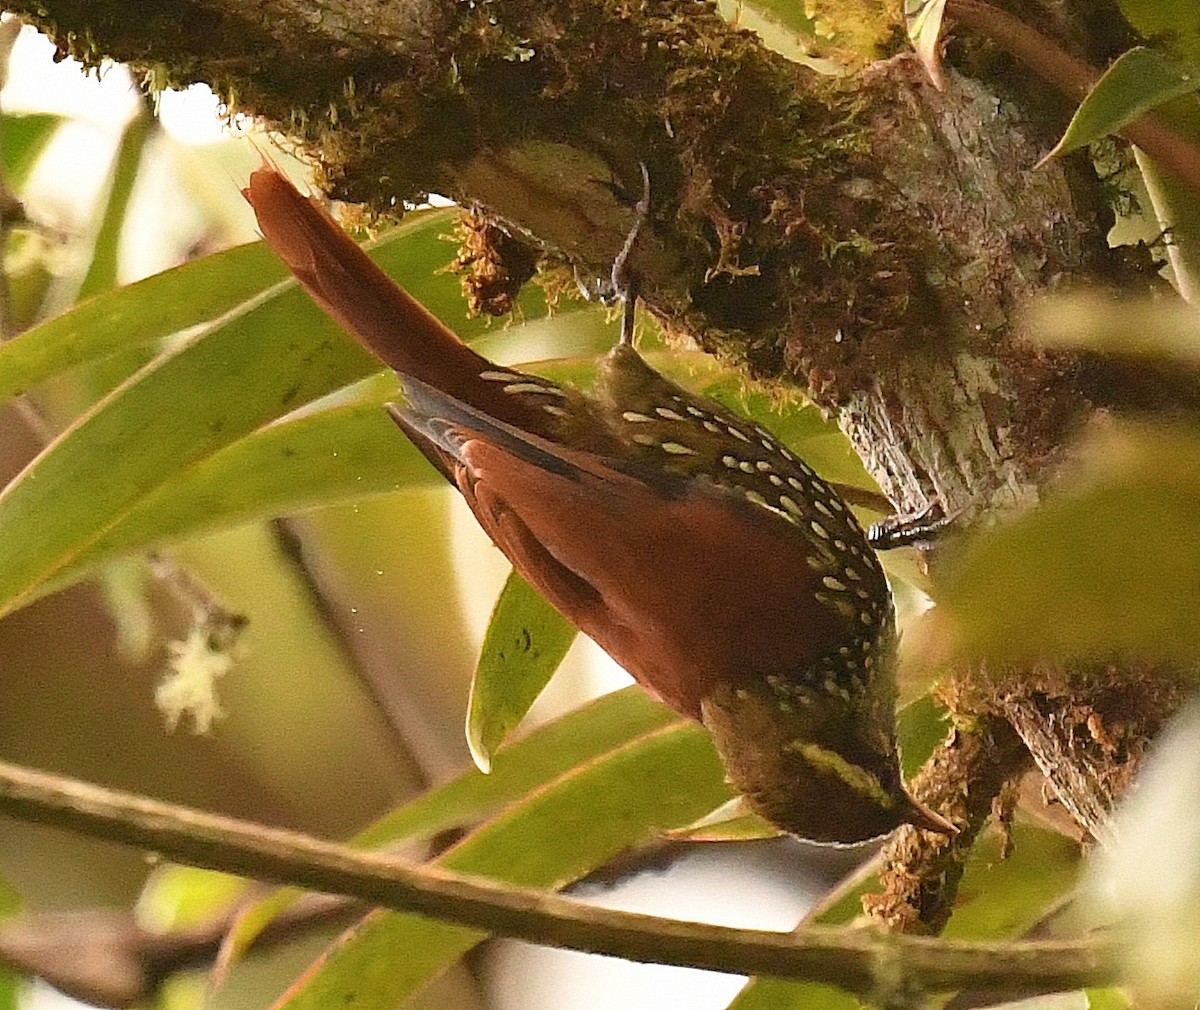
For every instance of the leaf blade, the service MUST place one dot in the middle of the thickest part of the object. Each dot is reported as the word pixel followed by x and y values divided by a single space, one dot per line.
pixel 547 754
pixel 155 425
pixel 250 365
pixel 662 780
pixel 525 643
pixel 1139 80
pixel 1057 583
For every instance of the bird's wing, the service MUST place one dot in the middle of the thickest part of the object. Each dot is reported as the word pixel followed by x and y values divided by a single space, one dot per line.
pixel 584 529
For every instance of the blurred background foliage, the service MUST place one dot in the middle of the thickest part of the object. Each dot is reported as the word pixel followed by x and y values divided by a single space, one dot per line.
pixel 201 483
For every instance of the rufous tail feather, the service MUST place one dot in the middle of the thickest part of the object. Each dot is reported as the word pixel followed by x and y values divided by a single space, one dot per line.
pixel 344 281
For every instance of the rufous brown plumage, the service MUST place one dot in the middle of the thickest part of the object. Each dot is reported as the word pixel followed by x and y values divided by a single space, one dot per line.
pixel 729 579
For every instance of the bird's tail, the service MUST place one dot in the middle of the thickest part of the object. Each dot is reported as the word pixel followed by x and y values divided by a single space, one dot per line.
pixel 344 281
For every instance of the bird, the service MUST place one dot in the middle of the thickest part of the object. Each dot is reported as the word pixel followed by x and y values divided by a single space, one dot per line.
pixel 714 565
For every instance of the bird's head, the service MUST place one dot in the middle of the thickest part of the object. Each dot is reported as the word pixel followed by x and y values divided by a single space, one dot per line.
pixel 812 761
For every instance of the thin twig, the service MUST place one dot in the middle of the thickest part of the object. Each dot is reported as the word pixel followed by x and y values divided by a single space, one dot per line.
pixel 858 960
pixel 106 958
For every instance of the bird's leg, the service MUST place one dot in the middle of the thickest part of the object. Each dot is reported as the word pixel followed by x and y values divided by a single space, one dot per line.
pixel 625 281
pixel 629 296
pixel 903 530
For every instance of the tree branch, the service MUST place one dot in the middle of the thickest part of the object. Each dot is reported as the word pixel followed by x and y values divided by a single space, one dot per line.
pixel 861 961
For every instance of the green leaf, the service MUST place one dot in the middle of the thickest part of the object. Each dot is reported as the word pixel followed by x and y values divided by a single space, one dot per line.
pixel 1138 81
pixel 176 412
pixel 526 641
pixel 732 821
pixel 921 726
pixel 1175 205
pixel 1174 24
pixel 1001 897
pixel 576 739
pixel 185 897
pixel 204 290
pixel 1107 567
pixel 102 271
pixel 250 366
pixel 137 314
pixel 659 781
pixel 1106 999
pixel 344 453
pixel 22 140
pixel 777 994
pixel 579 737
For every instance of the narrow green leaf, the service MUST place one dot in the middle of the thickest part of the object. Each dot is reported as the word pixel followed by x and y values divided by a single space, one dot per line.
pixel 254 364
pixel 576 739
pixel 22 140
pixel 137 314
pixel 526 641
pixel 659 781
pixel 123 586
pixel 205 289
pixel 336 455
pixel 1176 208
pixel 102 271
pixel 1174 24
pixel 176 412
pixel 1138 81
pixel 732 821
pixel 1067 580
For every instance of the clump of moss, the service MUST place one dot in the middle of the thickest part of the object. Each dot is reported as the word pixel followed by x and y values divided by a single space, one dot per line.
pixel 494 265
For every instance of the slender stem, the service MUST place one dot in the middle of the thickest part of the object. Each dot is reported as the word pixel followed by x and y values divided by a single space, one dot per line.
pixel 1069 74
pixel 859 960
